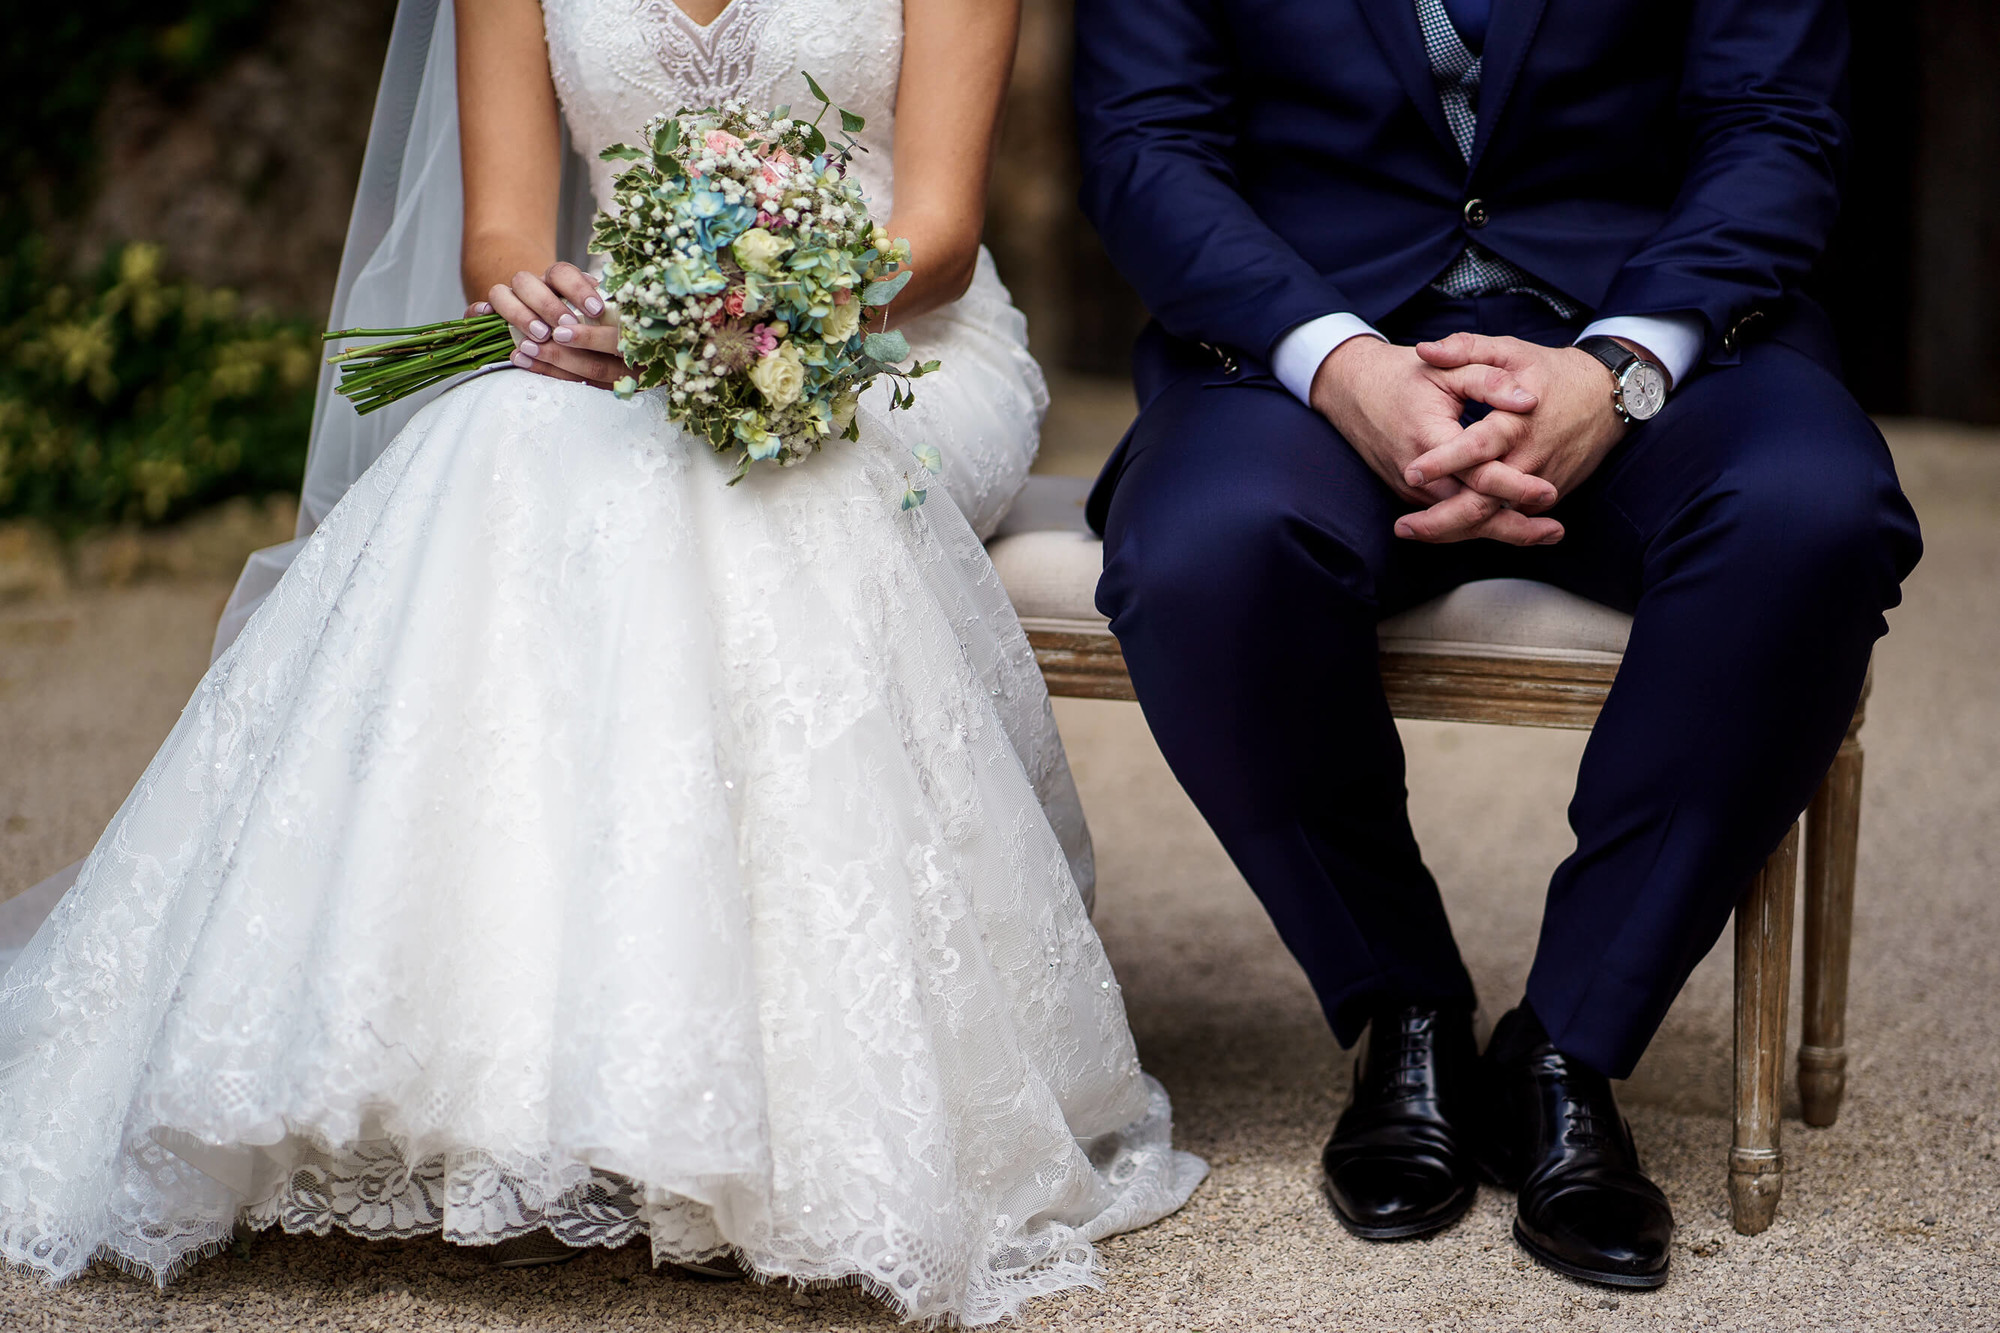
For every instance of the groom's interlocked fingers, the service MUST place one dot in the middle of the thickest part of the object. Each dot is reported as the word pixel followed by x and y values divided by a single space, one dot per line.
pixel 1560 440
pixel 1393 409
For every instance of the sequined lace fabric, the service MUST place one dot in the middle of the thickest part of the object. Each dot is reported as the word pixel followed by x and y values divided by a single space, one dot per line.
pixel 573 841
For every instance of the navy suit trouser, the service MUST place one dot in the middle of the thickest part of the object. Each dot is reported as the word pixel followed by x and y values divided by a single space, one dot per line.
pixel 1756 532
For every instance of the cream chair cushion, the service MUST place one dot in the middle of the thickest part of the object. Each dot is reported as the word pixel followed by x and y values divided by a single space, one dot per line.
pixel 1049 561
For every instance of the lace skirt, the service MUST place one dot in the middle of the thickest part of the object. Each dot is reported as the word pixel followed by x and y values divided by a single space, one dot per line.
pixel 574 841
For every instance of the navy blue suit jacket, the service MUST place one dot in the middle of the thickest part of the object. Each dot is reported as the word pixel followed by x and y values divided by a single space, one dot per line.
pixel 1253 164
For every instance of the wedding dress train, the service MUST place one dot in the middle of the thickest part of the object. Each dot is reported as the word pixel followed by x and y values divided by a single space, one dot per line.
pixel 574 841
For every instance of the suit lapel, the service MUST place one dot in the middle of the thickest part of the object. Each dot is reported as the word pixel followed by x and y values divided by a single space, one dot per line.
pixel 1509 32
pixel 1394 23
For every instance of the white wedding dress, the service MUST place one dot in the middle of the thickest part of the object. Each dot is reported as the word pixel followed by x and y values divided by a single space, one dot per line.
pixel 574 841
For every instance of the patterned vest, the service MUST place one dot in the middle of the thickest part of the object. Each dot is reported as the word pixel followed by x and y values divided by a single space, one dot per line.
pixel 1476 271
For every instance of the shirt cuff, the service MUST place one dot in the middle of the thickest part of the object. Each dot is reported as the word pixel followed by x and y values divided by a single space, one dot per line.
pixel 1300 352
pixel 1674 340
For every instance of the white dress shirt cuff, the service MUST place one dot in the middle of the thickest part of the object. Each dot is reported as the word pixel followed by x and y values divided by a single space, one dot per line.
pixel 1674 340
pixel 1300 352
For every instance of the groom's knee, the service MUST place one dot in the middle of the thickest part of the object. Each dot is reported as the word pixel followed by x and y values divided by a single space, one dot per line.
pixel 1804 499
pixel 1232 553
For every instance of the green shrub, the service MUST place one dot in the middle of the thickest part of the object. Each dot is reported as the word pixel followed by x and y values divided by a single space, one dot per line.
pixel 132 398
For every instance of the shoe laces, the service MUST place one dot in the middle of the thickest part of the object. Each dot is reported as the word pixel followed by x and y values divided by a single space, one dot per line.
pixel 1584 1128
pixel 1408 1066
pixel 1584 1125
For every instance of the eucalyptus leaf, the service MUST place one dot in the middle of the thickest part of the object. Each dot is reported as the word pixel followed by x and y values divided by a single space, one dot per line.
pixel 817 91
pixel 852 123
pixel 783 113
pixel 891 346
pixel 886 290
pixel 815 141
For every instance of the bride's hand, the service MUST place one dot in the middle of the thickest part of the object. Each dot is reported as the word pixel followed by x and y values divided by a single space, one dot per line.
pixel 553 340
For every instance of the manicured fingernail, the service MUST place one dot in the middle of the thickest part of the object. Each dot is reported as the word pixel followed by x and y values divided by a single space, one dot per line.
pixel 482 307
pixel 565 334
pixel 565 318
pixel 529 350
pixel 522 359
pixel 538 331
pixel 592 306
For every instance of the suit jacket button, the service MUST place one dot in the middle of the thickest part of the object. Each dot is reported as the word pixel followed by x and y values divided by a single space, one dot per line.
pixel 1477 214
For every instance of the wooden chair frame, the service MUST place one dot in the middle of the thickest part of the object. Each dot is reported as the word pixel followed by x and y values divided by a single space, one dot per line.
pixel 1081 661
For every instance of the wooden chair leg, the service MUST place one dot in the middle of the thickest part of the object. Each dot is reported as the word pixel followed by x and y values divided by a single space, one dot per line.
pixel 1833 826
pixel 1763 990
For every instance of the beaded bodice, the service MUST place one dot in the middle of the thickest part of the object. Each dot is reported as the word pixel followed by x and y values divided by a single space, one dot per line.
pixel 617 63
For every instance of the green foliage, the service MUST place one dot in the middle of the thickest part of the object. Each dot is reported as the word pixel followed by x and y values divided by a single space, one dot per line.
pixel 133 398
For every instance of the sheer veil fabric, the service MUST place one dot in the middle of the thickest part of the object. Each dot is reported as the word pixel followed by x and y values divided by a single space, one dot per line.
pixel 398 268
pixel 567 840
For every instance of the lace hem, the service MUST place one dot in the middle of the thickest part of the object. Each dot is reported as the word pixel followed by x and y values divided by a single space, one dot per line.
pixel 369 1190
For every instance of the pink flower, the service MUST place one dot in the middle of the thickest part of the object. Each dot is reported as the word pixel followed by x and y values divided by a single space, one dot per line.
pixel 767 341
pixel 722 141
pixel 733 302
pixel 843 296
pixel 769 221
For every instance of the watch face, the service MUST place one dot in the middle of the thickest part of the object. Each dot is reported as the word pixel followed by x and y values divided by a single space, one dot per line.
pixel 1643 391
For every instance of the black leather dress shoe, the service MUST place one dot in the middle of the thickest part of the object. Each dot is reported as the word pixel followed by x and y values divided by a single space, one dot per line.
pixel 1397 1166
pixel 1585 1207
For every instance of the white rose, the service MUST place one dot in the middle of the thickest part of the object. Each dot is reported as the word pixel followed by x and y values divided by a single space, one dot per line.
pixel 843 411
pixel 759 251
pixel 841 324
pixel 780 377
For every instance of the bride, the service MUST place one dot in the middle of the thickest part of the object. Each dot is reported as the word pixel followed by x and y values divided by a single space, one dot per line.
pixel 572 846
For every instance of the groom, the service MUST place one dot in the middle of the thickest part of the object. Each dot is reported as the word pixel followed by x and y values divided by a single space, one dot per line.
pixel 1581 227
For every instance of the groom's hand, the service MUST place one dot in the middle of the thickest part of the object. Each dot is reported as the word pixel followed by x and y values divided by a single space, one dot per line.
pixel 1561 441
pixel 1395 409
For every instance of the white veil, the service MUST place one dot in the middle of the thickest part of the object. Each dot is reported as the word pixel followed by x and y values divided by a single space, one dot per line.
pixel 400 267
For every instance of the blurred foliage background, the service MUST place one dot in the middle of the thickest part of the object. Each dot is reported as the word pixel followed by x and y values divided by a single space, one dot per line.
pixel 177 179
pixel 178 176
pixel 125 397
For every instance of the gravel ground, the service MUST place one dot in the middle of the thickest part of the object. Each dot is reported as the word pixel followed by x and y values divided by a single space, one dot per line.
pixel 1891 1219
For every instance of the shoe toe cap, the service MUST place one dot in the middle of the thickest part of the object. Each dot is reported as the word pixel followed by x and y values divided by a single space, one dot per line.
pixel 1624 1233
pixel 1385 1194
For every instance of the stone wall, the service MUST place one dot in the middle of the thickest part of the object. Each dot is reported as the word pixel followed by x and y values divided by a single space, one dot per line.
pixel 247 183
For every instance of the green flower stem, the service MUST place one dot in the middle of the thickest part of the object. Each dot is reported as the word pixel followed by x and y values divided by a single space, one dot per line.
pixel 416 358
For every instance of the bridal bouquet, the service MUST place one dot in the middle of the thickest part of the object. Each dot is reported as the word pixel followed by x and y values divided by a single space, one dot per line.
pixel 741 266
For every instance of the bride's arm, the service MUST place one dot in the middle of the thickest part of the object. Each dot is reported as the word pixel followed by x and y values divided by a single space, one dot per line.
pixel 510 151
pixel 957 58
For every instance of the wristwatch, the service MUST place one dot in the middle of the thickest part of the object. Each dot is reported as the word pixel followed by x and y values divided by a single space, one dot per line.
pixel 1639 386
